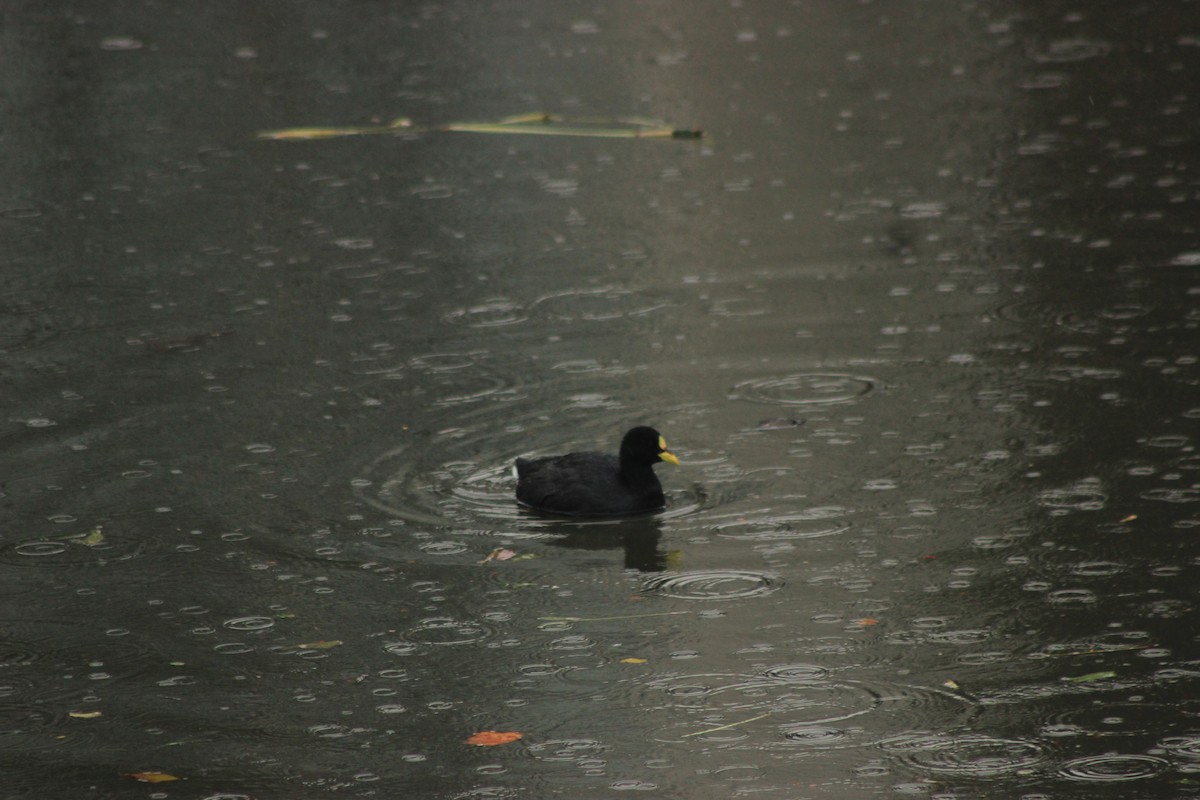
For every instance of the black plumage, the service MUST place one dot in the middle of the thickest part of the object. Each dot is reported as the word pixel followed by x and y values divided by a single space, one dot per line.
pixel 597 484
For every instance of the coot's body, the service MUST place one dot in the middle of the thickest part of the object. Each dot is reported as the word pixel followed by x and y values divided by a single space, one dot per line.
pixel 597 484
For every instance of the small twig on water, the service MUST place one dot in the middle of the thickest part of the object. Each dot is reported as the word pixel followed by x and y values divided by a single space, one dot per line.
pixel 726 727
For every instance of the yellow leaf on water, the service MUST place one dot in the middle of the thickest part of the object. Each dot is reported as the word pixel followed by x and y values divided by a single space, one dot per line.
pixel 302 134
pixel 538 124
pixel 950 683
pixel 633 661
pixel 321 645
pixel 534 116
pixel 93 538
pixel 1092 676
pixel 309 133
pixel 152 777
pixel 85 714
pixel 674 559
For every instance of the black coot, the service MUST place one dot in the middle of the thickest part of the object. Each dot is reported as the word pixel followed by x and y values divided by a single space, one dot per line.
pixel 597 484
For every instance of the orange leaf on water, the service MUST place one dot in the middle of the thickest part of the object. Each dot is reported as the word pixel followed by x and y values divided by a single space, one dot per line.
pixel 866 621
pixel 152 777
pixel 493 738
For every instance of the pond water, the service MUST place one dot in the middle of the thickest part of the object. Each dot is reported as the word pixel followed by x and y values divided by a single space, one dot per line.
pixel 918 313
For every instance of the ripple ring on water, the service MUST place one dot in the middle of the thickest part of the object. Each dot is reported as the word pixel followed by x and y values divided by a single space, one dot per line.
pixel 567 749
pixel 966 756
pixel 445 631
pixel 1078 498
pixel 804 389
pixel 1067 50
pixel 1113 768
pixel 72 551
pixel 785 526
pixel 1185 746
pixel 797 672
pixel 249 623
pixel 494 313
pixel 596 305
pixel 1171 495
pixel 713 584
pixel 814 735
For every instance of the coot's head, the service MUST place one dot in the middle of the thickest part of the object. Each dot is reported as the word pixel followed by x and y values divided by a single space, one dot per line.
pixel 645 445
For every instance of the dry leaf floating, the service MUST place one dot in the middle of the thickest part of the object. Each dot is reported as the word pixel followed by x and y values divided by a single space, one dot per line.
pixel 493 738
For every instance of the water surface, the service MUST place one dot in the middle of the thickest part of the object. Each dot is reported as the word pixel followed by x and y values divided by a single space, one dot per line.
pixel 918 314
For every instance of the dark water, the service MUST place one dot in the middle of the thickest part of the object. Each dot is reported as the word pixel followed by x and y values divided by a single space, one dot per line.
pixel 919 314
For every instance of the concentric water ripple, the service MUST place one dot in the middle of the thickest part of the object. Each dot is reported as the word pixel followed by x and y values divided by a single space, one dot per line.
pixel 1072 373
pixel 817 736
pixel 1110 320
pixel 1171 495
pixel 418 482
pixel 1071 597
pixel 1068 50
pixel 485 492
pixel 1098 569
pixel 1025 311
pixel 443 631
pixel 797 672
pixel 571 750
pixel 715 584
pixel 1187 746
pixel 72 550
pixel 1083 496
pixel 809 524
pixel 1120 319
pixel 801 707
pixel 968 756
pixel 489 793
pixel 575 680
pixel 455 379
pixel 592 305
pixel 1190 463
pixel 443 548
pixel 439 379
pixel 804 389
pixel 494 313
pixel 790 702
pixel 1113 768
